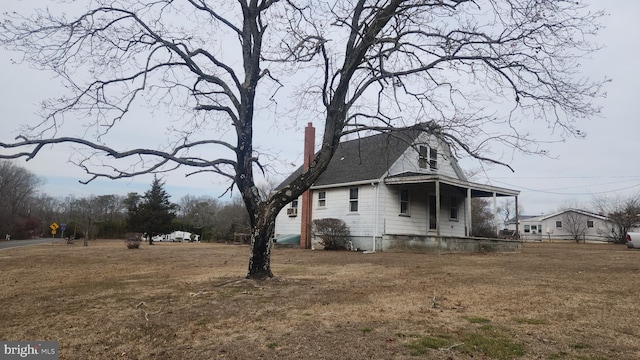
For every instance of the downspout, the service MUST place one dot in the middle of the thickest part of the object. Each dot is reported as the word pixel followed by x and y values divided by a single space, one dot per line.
pixel 375 220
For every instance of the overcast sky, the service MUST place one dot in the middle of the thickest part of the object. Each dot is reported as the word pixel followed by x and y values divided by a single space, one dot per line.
pixel 602 164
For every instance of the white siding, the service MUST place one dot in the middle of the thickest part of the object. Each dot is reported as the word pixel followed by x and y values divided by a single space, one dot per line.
pixel 598 232
pixel 408 162
pixel 417 222
pixel 360 223
pixel 287 225
pixel 546 228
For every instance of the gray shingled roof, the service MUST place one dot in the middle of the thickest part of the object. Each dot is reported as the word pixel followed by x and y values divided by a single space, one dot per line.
pixel 363 159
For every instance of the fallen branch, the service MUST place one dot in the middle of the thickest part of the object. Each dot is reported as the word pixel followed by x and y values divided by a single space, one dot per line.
pixel 434 300
pixel 202 291
pixel 451 347
pixel 146 314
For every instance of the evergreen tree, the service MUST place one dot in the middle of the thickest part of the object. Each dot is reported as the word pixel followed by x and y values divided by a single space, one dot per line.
pixel 153 213
pixel 132 202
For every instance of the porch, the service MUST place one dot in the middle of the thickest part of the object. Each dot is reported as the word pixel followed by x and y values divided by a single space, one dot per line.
pixel 459 223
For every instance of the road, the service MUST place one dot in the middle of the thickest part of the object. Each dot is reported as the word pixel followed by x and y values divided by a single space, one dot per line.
pixel 17 243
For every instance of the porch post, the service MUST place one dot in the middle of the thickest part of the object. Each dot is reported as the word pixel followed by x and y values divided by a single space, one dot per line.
pixel 495 214
pixel 438 207
pixel 467 205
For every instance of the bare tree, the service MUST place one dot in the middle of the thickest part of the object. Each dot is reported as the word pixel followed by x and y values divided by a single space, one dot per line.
pixel 508 210
pixel 478 70
pixel 199 213
pixel 622 213
pixel 483 221
pixel 17 187
pixel 575 224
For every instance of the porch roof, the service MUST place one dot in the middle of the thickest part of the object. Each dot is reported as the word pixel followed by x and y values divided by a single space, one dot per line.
pixel 477 190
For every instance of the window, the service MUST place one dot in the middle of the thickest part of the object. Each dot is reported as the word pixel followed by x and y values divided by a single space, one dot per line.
pixel 423 156
pixel 322 198
pixel 404 202
pixel 453 209
pixel 527 229
pixel 433 159
pixel 432 212
pixel 353 199
pixel 427 156
pixel 558 224
pixel 589 223
pixel 534 229
pixel 292 211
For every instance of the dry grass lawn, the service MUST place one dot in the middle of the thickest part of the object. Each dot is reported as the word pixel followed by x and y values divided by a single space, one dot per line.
pixel 191 301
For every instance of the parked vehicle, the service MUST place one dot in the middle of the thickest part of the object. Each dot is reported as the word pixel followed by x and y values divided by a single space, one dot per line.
pixel 178 236
pixel 633 240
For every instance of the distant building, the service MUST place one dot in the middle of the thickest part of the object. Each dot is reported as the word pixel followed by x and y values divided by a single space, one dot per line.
pixel 569 224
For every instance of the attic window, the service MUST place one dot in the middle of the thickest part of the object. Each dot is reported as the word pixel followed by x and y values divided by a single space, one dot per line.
pixel 428 156
pixel 589 223
pixel 433 158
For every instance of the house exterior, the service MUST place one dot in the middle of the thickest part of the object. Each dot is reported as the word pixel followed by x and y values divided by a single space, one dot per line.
pixel 568 224
pixel 394 190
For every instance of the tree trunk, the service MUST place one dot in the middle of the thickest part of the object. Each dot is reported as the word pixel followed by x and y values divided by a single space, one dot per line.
pixel 261 239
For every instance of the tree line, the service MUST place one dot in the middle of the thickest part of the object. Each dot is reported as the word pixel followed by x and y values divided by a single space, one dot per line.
pixel 26 213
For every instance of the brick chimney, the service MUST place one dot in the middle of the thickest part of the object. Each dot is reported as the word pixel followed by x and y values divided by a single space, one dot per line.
pixel 307 199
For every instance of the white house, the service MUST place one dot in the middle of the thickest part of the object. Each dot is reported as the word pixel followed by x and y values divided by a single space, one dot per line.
pixel 568 224
pixel 393 190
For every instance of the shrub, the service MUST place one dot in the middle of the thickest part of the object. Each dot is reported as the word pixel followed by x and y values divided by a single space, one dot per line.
pixel 333 233
pixel 133 240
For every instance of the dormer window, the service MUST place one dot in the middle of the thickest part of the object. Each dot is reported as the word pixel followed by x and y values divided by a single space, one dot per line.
pixel 428 157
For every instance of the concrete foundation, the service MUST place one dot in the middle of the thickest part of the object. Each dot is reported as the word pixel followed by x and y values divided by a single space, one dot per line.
pixel 446 244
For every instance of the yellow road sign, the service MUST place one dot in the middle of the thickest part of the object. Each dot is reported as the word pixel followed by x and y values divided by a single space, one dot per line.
pixel 54 227
pixel 53 232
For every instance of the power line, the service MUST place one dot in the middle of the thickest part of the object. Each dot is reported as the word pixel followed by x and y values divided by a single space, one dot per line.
pixel 567 193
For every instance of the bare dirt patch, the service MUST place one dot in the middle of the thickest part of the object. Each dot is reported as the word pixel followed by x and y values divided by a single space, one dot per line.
pixel 191 301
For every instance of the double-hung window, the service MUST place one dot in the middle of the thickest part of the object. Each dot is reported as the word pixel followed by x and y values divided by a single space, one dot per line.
pixel 322 198
pixel 353 199
pixel 404 202
pixel 453 208
pixel 428 156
